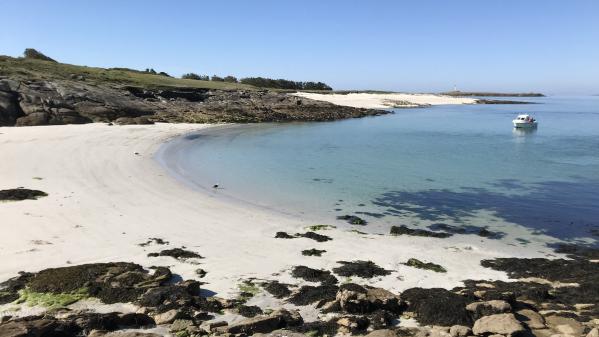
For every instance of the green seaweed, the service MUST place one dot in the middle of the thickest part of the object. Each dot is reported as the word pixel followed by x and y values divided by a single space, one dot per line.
pixel 51 300
pixel 358 232
pixel 315 228
pixel 247 290
pixel 425 265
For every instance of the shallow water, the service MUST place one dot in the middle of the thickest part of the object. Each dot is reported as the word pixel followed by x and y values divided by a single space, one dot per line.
pixel 462 165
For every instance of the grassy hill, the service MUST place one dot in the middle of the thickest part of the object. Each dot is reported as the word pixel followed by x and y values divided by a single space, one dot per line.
pixel 48 70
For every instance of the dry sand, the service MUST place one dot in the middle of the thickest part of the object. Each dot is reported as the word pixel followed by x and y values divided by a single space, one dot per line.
pixel 104 199
pixel 385 101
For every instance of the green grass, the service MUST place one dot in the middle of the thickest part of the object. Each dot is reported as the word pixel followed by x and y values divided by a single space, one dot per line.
pixel 315 228
pixel 38 69
pixel 50 300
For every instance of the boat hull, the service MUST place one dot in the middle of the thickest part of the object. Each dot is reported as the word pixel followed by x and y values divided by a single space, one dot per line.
pixel 524 125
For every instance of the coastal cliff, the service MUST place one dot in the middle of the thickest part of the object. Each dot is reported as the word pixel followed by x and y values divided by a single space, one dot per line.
pixel 38 92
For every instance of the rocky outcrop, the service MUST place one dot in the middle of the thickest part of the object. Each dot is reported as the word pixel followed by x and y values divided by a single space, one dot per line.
pixel 25 102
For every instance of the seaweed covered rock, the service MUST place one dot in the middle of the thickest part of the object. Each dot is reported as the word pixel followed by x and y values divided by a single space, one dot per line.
pixel 177 253
pixel 353 220
pixel 110 282
pixel 367 300
pixel 425 265
pixel 437 306
pixel 313 275
pixel 314 294
pixel 313 252
pixel 364 269
pixel 284 235
pixel 480 309
pixel 277 289
pixel 405 230
pixel 315 236
pixel 18 194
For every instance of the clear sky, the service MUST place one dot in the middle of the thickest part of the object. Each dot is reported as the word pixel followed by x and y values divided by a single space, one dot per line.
pixel 521 45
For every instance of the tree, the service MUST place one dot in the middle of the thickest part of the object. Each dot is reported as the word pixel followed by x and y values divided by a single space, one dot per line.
pixel 284 84
pixel 31 53
pixel 191 76
pixel 215 78
pixel 231 79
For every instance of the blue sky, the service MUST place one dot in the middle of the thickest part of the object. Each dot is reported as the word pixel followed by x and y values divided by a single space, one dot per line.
pixel 550 46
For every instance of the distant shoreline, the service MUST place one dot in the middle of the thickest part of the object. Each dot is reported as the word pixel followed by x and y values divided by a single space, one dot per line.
pixel 491 94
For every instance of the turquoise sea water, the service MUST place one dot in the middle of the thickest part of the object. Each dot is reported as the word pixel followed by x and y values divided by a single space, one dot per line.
pixel 462 165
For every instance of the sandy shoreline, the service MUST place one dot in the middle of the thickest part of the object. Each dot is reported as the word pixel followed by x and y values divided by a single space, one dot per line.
pixel 386 101
pixel 104 200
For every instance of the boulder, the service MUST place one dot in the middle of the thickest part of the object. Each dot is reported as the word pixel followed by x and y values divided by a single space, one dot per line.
pixel 564 325
pixel 352 324
pixel 382 333
pixel 183 325
pixel 460 331
pixel 504 324
pixel 531 318
pixel 362 301
pixel 593 333
pixel 280 333
pixel 101 333
pixel 33 119
pixel 167 317
pixel 265 323
pixel 480 309
pixel 25 328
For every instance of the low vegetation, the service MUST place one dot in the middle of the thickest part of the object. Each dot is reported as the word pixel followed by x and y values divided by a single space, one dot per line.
pixel 32 68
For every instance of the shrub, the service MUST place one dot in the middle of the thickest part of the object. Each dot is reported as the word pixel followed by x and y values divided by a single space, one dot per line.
pixel 194 76
pixel 31 53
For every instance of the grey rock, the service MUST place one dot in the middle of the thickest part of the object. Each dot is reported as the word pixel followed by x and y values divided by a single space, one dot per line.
pixel 101 333
pixel 88 101
pixel 460 331
pixel 531 318
pixel 480 309
pixel 265 323
pixel 504 324
pixel 382 333
pixel 27 328
pixel 366 300
pixel 9 108
pixel 280 333
pixel 167 317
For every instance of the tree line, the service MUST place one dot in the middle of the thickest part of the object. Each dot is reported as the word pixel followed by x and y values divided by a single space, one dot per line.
pixel 261 82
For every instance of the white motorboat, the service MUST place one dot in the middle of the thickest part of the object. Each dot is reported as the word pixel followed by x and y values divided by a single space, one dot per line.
pixel 525 122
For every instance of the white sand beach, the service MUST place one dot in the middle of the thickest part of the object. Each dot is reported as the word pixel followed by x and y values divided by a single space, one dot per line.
pixel 385 101
pixel 107 194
